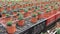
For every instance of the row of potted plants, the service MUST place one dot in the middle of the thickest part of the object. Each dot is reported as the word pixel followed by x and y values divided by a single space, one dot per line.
pixel 35 13
pixel 11 28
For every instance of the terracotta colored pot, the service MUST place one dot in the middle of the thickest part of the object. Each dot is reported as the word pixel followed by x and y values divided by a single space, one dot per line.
pixel 27 14
pixel 31 4
pixel 53 12
pixel 14 13
pixel 16 16
pixel 13 7
pixel 4 20
pixel 34 19
pixel 30 11
pixel 18 6
pixel 35 13
pixel 11 29
pixel 8 8
pixel 21 22
pixel 25 5
pixel 46 15
pixel 39 16
pixel 22 11
pixel 21 6
pixel 8 19
pixel 37 4
pixel 51 7
pixel 1 9
pixel 3 15
pixel 9 3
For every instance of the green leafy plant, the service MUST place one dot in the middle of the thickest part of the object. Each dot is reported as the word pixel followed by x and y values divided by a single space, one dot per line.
pixel 20 17
pixel 15 11
pixel 7 15
pixel 39 13
pixel 0 6
pixel 34 15
pixel 58 31
pixel 48 10
pixel 3 12
pixel 9 23
pixel 55 7
pixel 25 10
pixel 18 13
pixel 46 6
pixel 34 10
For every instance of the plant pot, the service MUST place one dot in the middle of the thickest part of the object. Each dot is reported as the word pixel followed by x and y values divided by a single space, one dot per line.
pixel 35 13
pixel 14 13
pixel 8 19
pixel 34 19
pixel 51 7
pixel 31 4
pixel 21 6
pixel 8 8
pixel 1 9
pixel 46 15
pixel 4 20
pixel 11 29
pixel 3 15
pixel 18 6
pixel 37 4
pixel 39 16
pixel 24 5
pixel 16 16
pixel 53 12
pixel 30 11
pixel 21 22
pixel 13 7
pixel 22 11
pixel 27 14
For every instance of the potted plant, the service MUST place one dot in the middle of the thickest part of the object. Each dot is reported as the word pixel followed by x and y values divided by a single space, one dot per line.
pixel 46 7
pixel 3 13
pixel 33 8
pixel 22 11
pixel 30 10
pixel 8 18
pixel 47 13
pixel 24 5
pixel 21 21
pixel 14 12
pixel 26 13
pixel 8 8
pixel 11 28
pixel 37 4
pixel 35 11
pixel 1 8
pixel 39 15
pixel 13 7
pixel 16 16
pixel 34 18
pixel 55 9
